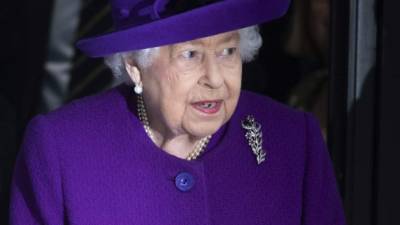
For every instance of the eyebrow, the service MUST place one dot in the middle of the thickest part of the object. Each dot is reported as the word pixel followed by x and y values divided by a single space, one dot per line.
pixel 229 38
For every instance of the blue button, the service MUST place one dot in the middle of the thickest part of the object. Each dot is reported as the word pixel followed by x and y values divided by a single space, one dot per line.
pixel 184 181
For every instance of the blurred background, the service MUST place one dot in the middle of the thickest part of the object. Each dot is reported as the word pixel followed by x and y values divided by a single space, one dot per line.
pixel 335 58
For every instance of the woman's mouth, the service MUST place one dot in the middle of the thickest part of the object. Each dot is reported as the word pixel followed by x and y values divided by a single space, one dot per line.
pixel 208 107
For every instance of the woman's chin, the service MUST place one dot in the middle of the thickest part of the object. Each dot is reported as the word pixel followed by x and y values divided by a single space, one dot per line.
pixel 203 129
pixel 201 124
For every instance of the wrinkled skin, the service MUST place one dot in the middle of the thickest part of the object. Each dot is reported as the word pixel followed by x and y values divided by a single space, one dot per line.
pixel 207 69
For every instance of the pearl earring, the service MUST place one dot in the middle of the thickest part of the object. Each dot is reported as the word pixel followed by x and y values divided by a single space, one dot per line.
pixel 138 89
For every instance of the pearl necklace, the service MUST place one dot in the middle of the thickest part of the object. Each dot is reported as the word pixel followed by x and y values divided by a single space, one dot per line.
pixel 141 110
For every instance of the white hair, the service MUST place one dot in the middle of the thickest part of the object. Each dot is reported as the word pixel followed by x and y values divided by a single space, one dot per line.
pixel 250 43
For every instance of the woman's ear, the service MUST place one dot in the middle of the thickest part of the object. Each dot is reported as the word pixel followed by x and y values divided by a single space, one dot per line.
pixel 133 72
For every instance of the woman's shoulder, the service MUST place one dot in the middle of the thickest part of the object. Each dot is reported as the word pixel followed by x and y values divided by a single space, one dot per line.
pixel 266 107
pixel 98 107
pixel 86 114
pixel 284 127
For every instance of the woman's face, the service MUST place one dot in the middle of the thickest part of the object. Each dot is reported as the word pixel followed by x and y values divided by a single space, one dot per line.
pixel 319 24
pixel 193 87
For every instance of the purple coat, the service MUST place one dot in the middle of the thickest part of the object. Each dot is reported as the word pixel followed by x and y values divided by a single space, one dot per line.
pixel 91 163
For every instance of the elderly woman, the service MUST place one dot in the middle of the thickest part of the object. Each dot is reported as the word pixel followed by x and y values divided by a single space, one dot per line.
pixel 182 144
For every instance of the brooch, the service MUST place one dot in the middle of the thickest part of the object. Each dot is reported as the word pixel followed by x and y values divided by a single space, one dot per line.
pixel 254 137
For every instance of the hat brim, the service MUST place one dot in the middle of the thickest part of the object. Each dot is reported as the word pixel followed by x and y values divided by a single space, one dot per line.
pixel 205 21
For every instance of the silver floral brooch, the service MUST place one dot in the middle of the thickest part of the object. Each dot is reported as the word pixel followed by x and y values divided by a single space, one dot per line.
pixel 254 137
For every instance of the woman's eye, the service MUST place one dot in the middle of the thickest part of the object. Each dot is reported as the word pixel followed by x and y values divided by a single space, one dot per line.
pixel 189 54
pixel 228 51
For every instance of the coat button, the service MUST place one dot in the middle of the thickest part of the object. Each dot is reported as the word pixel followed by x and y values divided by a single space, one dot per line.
pixel 184 181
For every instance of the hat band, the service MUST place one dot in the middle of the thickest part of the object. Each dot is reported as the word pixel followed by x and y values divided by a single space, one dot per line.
pixel 145 12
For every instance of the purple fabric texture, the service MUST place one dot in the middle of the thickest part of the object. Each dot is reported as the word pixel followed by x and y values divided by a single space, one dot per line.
pixel 90 162
pixel 138 26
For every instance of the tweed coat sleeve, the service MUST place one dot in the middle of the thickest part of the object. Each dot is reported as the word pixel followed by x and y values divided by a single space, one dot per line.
pixel 36 191
pixel 321 201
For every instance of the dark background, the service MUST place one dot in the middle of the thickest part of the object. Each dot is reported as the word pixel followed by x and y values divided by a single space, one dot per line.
pixel 362 109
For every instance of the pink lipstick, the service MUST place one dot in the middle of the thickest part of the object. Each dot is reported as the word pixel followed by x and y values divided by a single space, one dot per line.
pixel 208 107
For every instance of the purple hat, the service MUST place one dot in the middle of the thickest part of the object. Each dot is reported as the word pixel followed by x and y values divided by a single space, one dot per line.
pixel 143 24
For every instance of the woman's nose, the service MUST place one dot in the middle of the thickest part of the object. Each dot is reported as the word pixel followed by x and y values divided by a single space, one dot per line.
pixel 212 77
